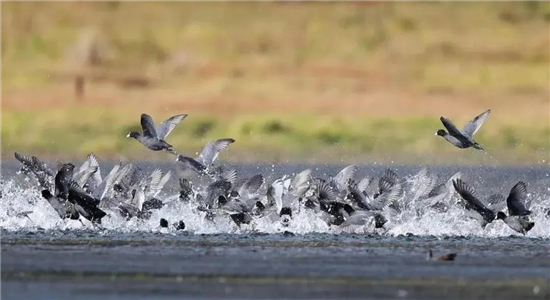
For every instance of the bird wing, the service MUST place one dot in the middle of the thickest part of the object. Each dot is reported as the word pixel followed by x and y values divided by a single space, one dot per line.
pixel 474 125
pixel 87 170
pixel 193 164
pixel 25 160
pixel 139 198
pixel 156 175
pixel 363 185
pixel 42 172
pixel 451 127
pixel 164 128
pixel 496 202
pixel 185 186
pixel 341 179
pixel 42 166
pixel 390 196
pixel 136 177
pixel 449 184
pixel 424 184
pixel 123 177
pixel 438 190
pixel 275 192
pixel 234 206
pixel 78 194
pixel 252 185
pixel 229 175
pixel 379 203
pixel 388 180
pixel 324 190
pixel 394 195
pixel 515 200
pixel 211 151
pixel 216 189
pixel 110 181
pixel 357 197
pixel 472 202
pixel 148 126
pixel 97 174
pixel 468 194
pixel 301 183
pixel 162 183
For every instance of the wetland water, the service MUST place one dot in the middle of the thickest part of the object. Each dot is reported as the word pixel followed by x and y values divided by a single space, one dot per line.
pixel 47 259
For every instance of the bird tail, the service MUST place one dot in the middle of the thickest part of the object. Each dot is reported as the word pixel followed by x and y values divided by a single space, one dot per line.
pixel 171 151
pixel 478 147
pixel 530 226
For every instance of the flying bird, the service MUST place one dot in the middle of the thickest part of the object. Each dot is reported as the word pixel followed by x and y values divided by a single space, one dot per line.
pixel 153 136
pixel 203 164
pixel 465 138
pixel 476 207
pixel 518 215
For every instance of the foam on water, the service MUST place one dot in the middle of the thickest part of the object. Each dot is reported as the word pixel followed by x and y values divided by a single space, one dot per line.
pixel 22 208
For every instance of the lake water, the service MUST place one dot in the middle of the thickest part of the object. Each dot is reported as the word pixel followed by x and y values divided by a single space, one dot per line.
pixel 44 257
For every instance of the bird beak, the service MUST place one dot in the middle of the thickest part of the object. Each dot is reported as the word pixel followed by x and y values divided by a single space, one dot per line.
pixel 435 133
pixel 128 135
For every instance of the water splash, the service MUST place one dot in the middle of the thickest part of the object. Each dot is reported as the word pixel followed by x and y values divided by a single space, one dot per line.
pixel 22 208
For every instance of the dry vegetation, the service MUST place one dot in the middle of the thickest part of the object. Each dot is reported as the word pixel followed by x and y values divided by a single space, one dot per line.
pixel 290 81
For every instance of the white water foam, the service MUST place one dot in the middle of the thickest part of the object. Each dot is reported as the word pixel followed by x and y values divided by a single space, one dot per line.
pixel 22 208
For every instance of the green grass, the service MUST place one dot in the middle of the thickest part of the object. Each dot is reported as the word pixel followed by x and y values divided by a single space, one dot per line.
pixel 294 81
pixel 270 137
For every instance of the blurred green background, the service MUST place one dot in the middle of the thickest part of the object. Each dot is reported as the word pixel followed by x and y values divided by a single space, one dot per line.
pixel 298 82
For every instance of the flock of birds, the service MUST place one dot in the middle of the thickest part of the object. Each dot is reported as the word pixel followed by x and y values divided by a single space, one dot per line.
pixel 342 200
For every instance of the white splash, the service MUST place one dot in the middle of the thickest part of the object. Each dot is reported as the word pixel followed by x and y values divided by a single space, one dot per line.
pixel 22 208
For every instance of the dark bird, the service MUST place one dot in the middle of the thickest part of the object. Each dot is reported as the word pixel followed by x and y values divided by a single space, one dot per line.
pixel 180 225
pixel 446 257
pixel 241 218
pixel 463 139
pixel 66 188
pixel 203 163
pixel 44 175
pixel 153 136
pixel 59 201
pixel 518 218
pixel 63 208
pixel 85 204
pixel 186 190
pixel 480 212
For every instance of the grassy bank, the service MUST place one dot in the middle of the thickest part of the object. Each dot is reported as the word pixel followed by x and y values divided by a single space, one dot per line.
pixel 289 81
pixel 274 137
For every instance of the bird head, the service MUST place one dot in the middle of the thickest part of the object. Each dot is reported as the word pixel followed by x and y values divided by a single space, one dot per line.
pixel 234 195
pixel 132 134
pixel 222 200
pixel 46 194
pixel 441 132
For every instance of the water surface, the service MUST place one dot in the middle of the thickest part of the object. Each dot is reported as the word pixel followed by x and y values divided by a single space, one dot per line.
pixel 45 258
